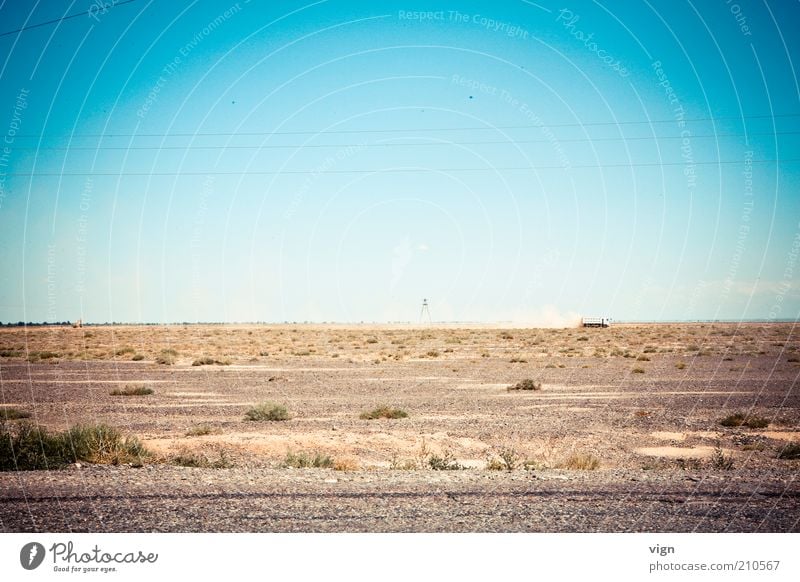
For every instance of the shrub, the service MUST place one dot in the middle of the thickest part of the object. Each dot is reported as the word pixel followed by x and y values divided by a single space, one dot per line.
pixel 680 365
pixel 756 422
pixel 638 370
pixel 206 361
pixel 643 358
pixel 526 384
pixel 166 357
pixel 267 411
pixel 137 357
pixel 790 451
pixel 346 464
pixel 506 460
pixel 739 419
pixel 581 462
pixel 45 355
pixel 516 360
pixel 30 447
pixel 13 414
pixel 201 460
pixel 201 430
pixel 383 412
pixel 10 354
pixel 132 391
pixel 719 460
pixel 125 350
pixel 304 460
pixel 736 419
pixel 432 354
pixel 445 462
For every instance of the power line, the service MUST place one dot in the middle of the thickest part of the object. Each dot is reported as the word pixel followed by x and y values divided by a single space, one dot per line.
pixel 396 170
pixel 95 9
pixel 394 144
pixel 406 129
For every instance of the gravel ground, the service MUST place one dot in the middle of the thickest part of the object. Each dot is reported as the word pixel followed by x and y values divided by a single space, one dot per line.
pixel 176 499
pixel 639 405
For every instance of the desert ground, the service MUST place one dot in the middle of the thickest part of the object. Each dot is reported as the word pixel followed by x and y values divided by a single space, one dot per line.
pixel 633 428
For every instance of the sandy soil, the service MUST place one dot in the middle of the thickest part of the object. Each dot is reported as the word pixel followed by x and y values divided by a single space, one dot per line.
pixel 641 402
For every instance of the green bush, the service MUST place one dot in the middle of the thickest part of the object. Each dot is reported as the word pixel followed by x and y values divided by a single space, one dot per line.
pixel 30 447
pixel 267 411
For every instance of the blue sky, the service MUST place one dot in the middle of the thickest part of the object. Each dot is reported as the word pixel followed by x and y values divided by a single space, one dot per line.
pixel 340 161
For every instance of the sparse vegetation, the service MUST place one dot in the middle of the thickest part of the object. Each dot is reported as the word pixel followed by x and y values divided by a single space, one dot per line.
pixel 739 419
pixel 506 459
pixel 643 358
pixel 206 361
pixel 13 414
pixel 166 357
pixel 720 460
pixel 527 384
pixel 25 446
pixel 346 464
pixel 202 460
pixel 137 357
pixel 267 411
pixel 10 354
pixel 680 365
pixel 304 460
pixel 790 451
pixel 638 370
pixel 201 430
pixel 581 462
pixel 132 391
pixel 383 412
pixel 444 462
pixel 43 355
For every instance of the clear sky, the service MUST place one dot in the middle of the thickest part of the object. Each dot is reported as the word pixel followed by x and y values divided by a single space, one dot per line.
pixel 340 161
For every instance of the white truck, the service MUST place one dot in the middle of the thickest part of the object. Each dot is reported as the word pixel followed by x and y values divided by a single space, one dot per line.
pixel 596 321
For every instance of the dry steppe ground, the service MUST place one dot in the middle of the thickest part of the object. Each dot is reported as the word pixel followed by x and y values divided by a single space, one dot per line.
pixel 624 434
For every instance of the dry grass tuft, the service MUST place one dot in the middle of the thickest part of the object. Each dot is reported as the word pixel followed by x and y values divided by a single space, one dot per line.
pixel 383 412
pixel 581 462
pixel 132 391
pixel 267 411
